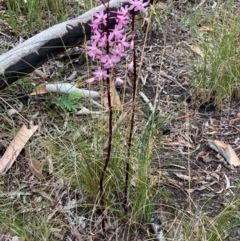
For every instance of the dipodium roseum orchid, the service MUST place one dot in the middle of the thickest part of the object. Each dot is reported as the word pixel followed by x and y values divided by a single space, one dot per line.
pixel 108 47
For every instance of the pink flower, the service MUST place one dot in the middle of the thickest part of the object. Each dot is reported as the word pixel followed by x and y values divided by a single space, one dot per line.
pixel 94 26
pixel 124 11
pixel 138 5
pixel 116 32
pixel 103 40
pixel 96 37
pixel 94 51
pixel 123 42
pixel 122 20
pixel 109 61
pixel 100 74
pixel 99 39
pixel 122 16
pixel 100 17
pixel 118 51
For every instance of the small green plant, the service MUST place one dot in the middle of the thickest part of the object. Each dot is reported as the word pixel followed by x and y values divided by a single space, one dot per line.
pixel 67 102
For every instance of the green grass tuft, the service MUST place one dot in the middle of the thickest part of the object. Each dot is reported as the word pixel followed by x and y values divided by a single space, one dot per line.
pixel 216 76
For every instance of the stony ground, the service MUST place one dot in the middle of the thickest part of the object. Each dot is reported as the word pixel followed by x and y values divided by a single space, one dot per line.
pixel 193 177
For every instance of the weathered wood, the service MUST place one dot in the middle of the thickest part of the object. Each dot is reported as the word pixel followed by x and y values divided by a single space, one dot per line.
pixel 34 52
pixel 31 54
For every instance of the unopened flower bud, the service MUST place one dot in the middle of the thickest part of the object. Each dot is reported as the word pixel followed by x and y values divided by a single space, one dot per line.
pixel 130 67
pixel 119 81
pixel 132 44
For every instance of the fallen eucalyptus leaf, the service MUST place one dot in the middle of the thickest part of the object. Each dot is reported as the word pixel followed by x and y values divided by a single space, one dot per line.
pixel 197 50
pixel 115 99
pixel 206 28
pixel 183 177
pixel 39 90
pixel 36 167
pixel 15 147
pixel 225 151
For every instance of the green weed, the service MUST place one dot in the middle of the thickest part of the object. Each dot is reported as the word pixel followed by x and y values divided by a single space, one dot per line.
pixel 69 102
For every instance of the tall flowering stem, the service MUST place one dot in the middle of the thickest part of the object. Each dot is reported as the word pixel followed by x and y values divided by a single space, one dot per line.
pixel 108 47
pixel 108 156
